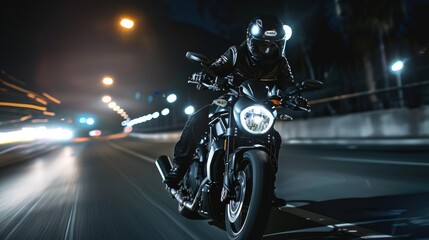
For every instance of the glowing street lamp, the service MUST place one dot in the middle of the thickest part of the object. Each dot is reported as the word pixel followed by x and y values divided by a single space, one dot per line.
pixel 107 81
pixel 165 111
pixel 189 110
pixel 127 23
pixel 111 105
pixel 396 68
pixel 171 98
pixel 106 99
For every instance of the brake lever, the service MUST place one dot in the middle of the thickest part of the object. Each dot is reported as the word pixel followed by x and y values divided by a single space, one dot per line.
pixel 305 109
pixel 193 82
pixel 209 86
pixel 298 107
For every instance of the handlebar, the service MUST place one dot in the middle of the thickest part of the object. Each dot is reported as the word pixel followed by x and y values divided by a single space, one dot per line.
pixel 231 90
pixel 294 106
pixel 209 86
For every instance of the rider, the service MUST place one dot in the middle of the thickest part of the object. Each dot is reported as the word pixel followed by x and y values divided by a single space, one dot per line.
pixel 260 57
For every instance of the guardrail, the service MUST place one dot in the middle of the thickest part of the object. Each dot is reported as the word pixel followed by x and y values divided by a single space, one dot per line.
pixel 411 96
pixel 407 96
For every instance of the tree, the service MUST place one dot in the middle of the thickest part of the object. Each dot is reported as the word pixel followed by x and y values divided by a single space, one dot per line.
pixel 365 25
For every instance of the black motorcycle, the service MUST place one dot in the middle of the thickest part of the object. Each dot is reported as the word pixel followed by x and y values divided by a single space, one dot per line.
pixel 231 177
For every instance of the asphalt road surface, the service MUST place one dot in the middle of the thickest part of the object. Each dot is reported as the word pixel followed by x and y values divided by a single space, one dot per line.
pixel 110 189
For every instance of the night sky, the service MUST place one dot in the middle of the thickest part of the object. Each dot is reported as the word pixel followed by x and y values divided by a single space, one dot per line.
pixel 64 48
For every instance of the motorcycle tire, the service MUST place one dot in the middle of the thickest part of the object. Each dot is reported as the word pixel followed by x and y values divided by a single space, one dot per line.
pixel 247 215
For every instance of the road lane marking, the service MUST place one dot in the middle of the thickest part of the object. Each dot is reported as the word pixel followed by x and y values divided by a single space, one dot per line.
pixel 139 190
pixel 18 225
pixel 72 218
pixel 160 208
pixel 357 160
pixel 329 223
pixel 126 150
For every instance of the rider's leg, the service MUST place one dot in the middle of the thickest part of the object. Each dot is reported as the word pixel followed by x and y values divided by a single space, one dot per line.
pixel 184 149
pixel 277 202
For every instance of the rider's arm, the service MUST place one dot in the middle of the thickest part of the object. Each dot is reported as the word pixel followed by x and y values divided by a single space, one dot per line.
pixel 224 65
pixel 285 77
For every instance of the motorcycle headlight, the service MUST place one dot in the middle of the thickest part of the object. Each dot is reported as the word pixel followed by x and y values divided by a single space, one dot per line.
pixel 256 119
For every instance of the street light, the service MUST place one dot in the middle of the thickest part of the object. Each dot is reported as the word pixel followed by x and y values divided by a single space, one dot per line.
pixel 189 110
pixel 111 105
pixel 171 98
pixel 165 111
pixel 127 23
pixel 107 81
pixel 397 68
pixel 106 99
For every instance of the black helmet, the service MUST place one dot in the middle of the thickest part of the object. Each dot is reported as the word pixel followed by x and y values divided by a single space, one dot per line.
pixel 266 38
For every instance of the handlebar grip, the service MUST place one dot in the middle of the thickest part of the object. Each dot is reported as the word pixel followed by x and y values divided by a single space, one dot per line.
pixel 305 109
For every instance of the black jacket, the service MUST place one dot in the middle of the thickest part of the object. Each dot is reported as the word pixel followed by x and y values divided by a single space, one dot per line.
pixel 238 62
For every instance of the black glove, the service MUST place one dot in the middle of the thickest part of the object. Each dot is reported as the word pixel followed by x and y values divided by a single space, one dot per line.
pixel 224 82
pixel 200 77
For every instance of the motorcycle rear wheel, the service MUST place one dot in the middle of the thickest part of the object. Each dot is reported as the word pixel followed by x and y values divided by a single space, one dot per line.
pixel 247 215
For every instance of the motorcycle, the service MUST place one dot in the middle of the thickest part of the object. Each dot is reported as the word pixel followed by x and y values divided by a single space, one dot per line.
pixel 231 177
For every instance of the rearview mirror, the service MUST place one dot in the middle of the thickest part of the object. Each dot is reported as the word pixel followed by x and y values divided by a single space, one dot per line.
pixel 312 84
pixel 198 58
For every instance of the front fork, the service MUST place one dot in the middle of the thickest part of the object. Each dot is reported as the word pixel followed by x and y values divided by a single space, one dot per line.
pixel 228 192
pixel 232 154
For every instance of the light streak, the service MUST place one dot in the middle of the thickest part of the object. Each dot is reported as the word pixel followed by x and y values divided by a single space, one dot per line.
pixel 23 105
pixel 49 113
pixel 51 98
pixel 41 101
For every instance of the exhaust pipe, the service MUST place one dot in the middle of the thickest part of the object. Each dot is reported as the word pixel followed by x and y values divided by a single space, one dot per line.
pixel 191 205
pixel 164 166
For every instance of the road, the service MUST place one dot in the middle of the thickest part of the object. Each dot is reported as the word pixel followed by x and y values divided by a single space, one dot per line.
pixel 110 189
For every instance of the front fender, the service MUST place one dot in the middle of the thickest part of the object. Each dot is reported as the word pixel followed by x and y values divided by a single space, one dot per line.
pixel 240 150
pixel 237 154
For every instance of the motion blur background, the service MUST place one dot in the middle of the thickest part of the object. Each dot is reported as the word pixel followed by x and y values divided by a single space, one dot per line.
pixel 92 92
pixel 54 56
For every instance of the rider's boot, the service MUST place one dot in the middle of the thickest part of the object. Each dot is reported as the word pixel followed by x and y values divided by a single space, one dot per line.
pixel 176 173
pixel 276 201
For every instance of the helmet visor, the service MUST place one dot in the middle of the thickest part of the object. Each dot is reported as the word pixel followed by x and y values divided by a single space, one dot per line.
pixel 268 49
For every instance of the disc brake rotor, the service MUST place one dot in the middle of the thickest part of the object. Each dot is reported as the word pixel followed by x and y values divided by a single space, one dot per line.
pixel 235 206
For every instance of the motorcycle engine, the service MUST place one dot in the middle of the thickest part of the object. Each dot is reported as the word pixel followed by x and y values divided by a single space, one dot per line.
pixel 194 176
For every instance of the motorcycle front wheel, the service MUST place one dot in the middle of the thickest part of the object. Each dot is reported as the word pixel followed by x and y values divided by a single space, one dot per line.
pixel 246 216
